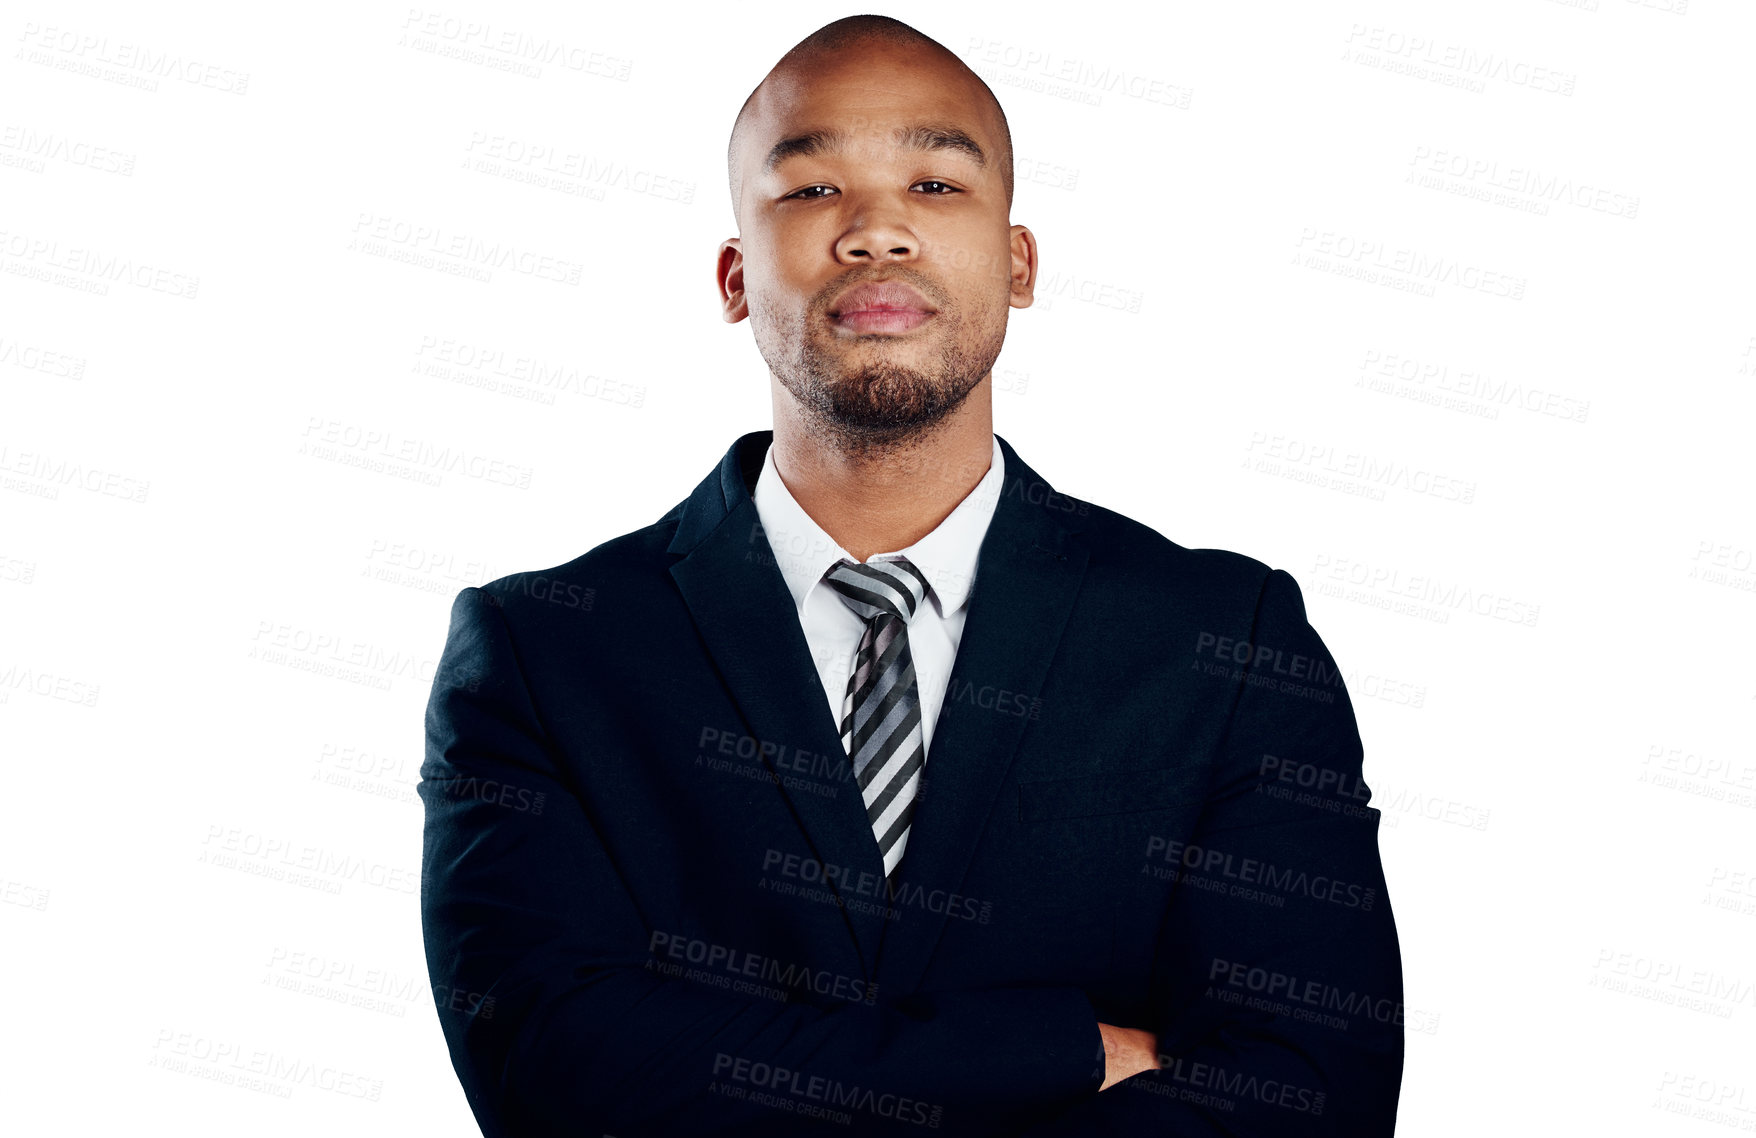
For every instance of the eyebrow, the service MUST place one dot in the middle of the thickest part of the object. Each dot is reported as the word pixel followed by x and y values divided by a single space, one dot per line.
pixel 834 140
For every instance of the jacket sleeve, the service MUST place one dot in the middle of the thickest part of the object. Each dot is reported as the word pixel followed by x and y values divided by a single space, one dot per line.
pixel 1278 979
pixel 538 958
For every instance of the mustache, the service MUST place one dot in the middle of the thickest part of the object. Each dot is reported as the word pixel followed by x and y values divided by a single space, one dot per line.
pixel 926 286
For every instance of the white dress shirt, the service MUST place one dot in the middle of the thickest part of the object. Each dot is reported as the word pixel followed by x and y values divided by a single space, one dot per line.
pixel 946 557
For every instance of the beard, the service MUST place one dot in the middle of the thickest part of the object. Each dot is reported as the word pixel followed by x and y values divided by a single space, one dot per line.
pixel 878 405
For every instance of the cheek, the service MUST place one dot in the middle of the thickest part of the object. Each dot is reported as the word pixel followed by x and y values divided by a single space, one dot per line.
pixel 979 269
pixel 982 297
pixel 772 302
pixel 782 284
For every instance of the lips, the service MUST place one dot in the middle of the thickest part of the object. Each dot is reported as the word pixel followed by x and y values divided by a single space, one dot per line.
pixel 880 306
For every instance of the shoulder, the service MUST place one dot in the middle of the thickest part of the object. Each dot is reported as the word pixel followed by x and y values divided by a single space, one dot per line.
pixel 620 571
pixel 1133 559
pixel 1136 577
pixel 1144 572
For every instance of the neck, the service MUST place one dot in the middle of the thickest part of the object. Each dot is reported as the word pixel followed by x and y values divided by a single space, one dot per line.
pixel 877 495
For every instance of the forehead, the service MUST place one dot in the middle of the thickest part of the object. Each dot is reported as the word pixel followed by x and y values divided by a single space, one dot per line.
pixel 876 99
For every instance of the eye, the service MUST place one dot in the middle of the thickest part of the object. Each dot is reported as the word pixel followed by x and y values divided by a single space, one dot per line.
pixel 934 188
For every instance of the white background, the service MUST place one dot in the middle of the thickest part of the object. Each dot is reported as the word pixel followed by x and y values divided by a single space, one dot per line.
pixel 1510 473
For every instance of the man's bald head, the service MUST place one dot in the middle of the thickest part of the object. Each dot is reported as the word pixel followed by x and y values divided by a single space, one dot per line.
pixel 847 36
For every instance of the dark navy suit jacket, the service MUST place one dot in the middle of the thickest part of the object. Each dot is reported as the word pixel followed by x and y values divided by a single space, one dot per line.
pixel 653 905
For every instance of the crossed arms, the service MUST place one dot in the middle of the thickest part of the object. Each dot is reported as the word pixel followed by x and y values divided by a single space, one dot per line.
pixel 556 1024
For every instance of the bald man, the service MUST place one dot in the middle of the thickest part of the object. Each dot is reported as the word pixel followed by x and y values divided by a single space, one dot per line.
pixel 882 787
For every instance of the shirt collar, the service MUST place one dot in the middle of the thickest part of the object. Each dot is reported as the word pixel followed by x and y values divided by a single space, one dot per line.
pixel 803 552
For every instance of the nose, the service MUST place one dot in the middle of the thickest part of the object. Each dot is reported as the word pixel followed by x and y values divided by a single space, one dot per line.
pixel 875 239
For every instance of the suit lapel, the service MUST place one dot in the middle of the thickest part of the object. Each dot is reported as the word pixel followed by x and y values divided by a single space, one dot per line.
pixel 1027 576
pixel 747 619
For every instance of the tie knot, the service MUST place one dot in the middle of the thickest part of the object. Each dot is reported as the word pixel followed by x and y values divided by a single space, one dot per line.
pixel 891 587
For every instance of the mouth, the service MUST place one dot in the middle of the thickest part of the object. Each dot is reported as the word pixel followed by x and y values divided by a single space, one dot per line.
pixel 882 308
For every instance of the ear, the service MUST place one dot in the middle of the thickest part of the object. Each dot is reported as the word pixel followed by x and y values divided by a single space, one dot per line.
pixel 729 276
pixel 1024 267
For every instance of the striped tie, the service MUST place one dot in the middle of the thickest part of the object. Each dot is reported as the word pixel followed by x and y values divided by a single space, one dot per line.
pixel 881 715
